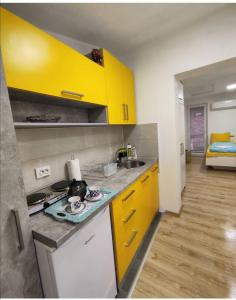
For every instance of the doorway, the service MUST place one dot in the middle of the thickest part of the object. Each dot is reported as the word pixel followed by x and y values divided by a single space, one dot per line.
pixel 197 128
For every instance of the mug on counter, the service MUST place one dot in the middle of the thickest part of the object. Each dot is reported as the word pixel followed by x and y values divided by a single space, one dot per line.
pixel 93 191
pixel 74 203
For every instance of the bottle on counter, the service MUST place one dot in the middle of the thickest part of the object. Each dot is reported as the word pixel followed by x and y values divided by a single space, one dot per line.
pixel 129 151
pixel 134 153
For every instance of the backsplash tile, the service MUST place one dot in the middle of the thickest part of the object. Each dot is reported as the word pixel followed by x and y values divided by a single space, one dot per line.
pixel 144 137
pixel 92 145
pixel 54 146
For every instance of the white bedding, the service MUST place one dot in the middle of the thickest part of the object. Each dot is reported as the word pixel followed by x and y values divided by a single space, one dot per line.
pixel 221 161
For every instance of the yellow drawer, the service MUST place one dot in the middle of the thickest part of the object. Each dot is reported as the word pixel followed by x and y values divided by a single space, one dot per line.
pixel 126 248
pixel 126 201
pixel 123 224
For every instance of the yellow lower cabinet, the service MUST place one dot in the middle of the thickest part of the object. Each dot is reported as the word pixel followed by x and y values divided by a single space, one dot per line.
pixel 146 200
pixel 154 189
pixel 132 213
pixel 125 211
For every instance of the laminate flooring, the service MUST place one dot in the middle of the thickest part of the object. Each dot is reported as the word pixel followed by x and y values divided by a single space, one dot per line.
pixel 193 255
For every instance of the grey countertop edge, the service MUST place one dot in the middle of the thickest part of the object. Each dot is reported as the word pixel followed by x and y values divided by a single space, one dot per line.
pixel 55 243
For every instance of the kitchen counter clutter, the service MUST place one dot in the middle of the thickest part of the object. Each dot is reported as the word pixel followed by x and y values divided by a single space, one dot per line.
pixel 104 237
pixel 53 233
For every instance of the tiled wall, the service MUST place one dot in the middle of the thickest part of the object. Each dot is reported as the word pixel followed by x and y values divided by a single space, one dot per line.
pixel 54 146
pixel 92 145
pixel 145 138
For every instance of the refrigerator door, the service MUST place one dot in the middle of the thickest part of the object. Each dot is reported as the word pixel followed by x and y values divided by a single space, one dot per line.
pixel 84 266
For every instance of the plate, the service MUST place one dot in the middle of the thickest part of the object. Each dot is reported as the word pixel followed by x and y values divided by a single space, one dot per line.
pixel 93 199
pixel 76 211
pixel 43 118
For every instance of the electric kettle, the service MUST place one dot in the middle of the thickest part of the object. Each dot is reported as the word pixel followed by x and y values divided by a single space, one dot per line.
pixel 78 188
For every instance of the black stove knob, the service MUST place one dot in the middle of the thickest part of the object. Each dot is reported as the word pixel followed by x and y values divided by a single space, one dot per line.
pixel 46 205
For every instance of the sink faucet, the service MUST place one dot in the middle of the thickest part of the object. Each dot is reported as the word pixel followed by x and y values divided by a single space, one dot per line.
pixel 121 153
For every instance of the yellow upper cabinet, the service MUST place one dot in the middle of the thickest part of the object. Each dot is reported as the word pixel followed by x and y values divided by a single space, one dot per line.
pixel 120 91
pixel 113 75
pixel 129 94
pixel 35 61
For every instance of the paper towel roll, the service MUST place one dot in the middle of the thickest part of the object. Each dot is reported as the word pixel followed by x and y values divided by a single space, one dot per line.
pixel 74 169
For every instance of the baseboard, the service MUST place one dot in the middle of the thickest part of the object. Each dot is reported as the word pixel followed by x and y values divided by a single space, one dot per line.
pixel 177 214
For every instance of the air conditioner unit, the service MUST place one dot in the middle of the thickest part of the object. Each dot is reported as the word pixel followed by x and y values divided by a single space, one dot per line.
pixel 226 104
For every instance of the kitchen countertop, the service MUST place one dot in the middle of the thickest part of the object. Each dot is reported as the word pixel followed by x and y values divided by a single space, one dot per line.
pixel 53 233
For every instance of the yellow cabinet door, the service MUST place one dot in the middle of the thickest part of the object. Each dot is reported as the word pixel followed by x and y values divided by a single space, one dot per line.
pixel 35 61
pixel 114 89
pixel 120 91
pixel 149 194
pixel 154 189
pixel 146 200
pixel 132 212
pixel 129 95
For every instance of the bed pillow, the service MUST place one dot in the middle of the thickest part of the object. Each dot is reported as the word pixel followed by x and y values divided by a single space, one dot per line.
pixel 220 137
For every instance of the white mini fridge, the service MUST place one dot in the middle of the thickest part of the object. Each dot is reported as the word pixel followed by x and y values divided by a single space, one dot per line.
pixel 82 267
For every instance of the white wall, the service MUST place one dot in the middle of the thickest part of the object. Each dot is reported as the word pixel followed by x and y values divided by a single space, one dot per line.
pixel 222 121
pixel 218 120
pixel 208 41
pixel 80 46
pixel 180 133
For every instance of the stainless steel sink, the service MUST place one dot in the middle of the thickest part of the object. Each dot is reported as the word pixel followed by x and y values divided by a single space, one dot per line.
pixel 129 164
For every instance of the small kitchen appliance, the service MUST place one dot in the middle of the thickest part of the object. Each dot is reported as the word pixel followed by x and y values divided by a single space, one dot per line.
pixel 83 266
pixel 44 197
pixel 78 188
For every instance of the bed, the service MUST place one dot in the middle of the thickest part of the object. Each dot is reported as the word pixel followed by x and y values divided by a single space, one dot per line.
pixel 221 153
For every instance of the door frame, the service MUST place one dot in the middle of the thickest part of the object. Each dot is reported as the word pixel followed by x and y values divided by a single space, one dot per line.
pixel 189 106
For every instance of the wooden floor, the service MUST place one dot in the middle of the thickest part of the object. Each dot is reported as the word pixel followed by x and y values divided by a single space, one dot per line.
pixel 194 255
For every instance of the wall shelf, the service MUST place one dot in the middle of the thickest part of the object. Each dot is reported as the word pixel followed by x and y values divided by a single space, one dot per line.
pixel 72 113
pixel 28 125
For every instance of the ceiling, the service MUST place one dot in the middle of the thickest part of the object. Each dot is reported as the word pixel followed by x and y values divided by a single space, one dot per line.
pixel 210 80
pixel 119 27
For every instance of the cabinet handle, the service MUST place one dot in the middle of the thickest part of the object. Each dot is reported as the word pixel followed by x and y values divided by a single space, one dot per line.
pixel 131 239
pixel 127 112
pixel 129 216
pixel 65 92
pixel 127 197
pixel 146 178
pixel 19 229
pixel 91 237
pixel 154 169
pixel 124 112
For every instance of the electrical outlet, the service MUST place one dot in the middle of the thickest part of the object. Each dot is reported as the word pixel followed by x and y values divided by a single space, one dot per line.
pixel 42 172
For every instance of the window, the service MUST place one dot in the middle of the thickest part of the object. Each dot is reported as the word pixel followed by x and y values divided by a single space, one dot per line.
pixel 197 123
